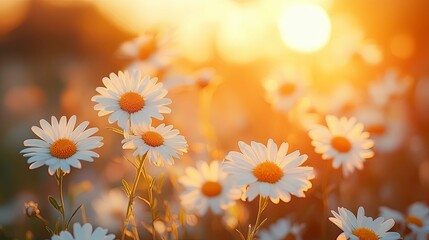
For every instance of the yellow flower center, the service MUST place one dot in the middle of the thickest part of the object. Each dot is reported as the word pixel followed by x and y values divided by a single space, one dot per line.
pixel 153 139
pixel 289 237
pixel 131 102
pixel 147 49
pixel 268 172
pixel 376 129
pixel 63 148
pixel 287 89
pixel 365 234
pixel 341 144
pixel 414 220
pixel 211 189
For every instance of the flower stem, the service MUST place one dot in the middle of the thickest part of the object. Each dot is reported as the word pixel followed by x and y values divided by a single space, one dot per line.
pixel 132 195
pixel 149 186
pixel 263 202
pixel 60 176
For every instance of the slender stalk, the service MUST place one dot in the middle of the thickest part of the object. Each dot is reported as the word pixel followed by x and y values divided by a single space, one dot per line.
pixel 132 195
pixel 149 186
pixel 263 202
pixel 60 176
pixel 325 204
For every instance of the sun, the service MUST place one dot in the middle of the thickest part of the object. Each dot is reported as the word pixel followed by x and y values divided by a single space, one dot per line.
pixel 305 27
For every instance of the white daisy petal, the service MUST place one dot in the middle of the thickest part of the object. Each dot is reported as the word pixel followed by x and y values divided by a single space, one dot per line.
pixel 60 145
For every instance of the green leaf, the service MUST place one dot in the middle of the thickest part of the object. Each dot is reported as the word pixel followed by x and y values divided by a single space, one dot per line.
pixel 54 203
pixel 126 187
pixel 49 230
pixel 116 130
pixel 144 200
pixel 74 213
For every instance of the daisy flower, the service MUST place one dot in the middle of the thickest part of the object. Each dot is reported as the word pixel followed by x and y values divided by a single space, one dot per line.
pixel 161 143
pixel 282 229
pixel 269 171
pixel 110 209
pixel 362 227
pixel 148 50
pixel 81 232
pixel 207 187
pixel 383 90
pixel 389 131
pixel 131 99
pixel 61 145
pixel 344 141
pixel 284 89
pixel 416 219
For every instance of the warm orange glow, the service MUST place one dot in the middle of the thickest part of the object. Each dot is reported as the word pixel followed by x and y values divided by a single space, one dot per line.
pixel 402 45
pixel 305 27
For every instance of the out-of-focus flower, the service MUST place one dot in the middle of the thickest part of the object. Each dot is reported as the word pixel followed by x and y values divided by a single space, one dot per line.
pixel 207 187
pixel 110 209
pixel 416 219
pixel 383 90
pixel 343 99
pixel 61 145
pixel 149 49
pixel 24 99
pixel 162 143
pixel 362 227
pixel 131 99
pixel 344 141
pixel 31 209
pixel 387 130
pixel 269 171
pixel 81 232
pixel 201 78
pixel 284 89
pixel 282 229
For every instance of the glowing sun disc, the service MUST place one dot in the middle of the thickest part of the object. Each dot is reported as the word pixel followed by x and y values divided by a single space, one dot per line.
pixel 305 27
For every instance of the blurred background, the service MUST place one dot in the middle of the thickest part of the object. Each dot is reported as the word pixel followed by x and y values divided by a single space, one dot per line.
pixel 236 70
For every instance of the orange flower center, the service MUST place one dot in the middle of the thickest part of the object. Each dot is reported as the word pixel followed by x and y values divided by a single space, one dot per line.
pixel 365 234
pixel 147 49
pixel 414 220
pixel 289 237
pixel 268 172
pixel 131 102
pixel 341 144
pixel 376 129
pixel 211 189
pixel 287 89
pixel 63 148
pixel 153 139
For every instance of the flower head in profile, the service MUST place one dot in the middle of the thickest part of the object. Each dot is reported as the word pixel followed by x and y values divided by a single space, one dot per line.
pixel 84 232
pixel 344 141
pixel 110 209
pixel 269 171
pixel 61 145
pixel 148 50
pixel 416 219
pixel 161 144
pixel 389 86
pixel 362 227
pixel 284 89
pixel 131 99
pixel 282 229
pixel 207 187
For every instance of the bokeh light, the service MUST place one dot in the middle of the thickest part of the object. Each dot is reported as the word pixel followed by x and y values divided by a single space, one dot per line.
pixel 305 27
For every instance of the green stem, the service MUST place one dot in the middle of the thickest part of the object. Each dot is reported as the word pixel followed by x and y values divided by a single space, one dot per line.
pixel 149 186
pixel 132 195
pixel 325 204
pixel 60 175
pixel 263 202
